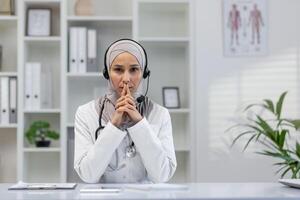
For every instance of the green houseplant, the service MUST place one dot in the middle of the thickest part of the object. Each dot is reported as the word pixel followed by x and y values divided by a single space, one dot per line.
pixel 38 132
pixel 274 134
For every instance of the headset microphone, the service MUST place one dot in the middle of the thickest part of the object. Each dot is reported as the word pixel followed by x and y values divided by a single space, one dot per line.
pixel 141 98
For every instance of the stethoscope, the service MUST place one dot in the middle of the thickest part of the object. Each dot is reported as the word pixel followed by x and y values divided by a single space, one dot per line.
pixel 130 151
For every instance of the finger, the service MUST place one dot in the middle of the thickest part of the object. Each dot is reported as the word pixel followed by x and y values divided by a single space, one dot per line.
pixel 123 91
pixel 130 101
pixel 128 91
pixel 122 103
pixel 122 98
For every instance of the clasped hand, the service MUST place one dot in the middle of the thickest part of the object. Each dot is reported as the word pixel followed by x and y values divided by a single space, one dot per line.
pixel 125 106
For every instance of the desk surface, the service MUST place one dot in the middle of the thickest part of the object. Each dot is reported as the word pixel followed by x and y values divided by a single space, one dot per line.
pixel 211 191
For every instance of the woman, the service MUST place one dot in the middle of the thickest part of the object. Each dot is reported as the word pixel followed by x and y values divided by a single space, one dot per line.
pixel 123 136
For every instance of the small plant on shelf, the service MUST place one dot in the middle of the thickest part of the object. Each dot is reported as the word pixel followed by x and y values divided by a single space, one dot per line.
pixel 38 133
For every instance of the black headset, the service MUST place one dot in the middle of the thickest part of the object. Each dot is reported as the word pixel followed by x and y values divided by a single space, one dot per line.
pixel 146 72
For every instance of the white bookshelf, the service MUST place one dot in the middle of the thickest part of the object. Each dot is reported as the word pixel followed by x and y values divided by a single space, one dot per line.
pixel 42 150
pixel 42 39
pixel 14 74
pixel 8 18
pixel 6 126
pixel 100 18
pixel 9 68
pixel 162 26
pixel 42 111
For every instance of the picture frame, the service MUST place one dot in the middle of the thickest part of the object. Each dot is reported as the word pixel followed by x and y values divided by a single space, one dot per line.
pixel 7 7
pixel 171 97
pixel 39 21
pixel 245 28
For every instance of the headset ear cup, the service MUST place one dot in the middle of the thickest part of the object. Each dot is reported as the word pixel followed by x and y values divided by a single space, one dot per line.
pixel 146 73
pixel 105 73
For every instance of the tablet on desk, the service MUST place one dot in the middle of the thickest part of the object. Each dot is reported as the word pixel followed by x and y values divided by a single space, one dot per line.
pixel 290 182
pixel 40 186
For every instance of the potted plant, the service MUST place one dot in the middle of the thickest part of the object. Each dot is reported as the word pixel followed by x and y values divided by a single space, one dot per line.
pixel 38 132
pixel 274 134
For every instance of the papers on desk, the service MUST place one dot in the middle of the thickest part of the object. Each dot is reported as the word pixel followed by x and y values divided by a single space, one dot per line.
pixel 39 186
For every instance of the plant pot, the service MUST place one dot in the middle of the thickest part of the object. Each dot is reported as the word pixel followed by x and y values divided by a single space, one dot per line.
pixel 42 143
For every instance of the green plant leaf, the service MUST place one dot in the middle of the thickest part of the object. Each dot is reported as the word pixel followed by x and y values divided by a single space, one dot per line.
pixel 298 149
pixel 279 104
pixel 251 105
pixel 281 138
pixel 239 136
pixel 286 171
pixel 269 105
pixel 251 138
pixel 53 135
pixel 295 123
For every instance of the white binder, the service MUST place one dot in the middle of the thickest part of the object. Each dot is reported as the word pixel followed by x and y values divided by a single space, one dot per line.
pixel 73 49
pixel 28 86
pixel 4 100
pixel 92 51
pixel 12 100
pixel 82 49
pixel 36 86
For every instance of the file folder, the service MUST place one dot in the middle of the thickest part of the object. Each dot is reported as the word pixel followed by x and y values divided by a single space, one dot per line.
pixel 4 100
pixel 73 49
pixel 12 100
pixel 36 85
pixel 28 86
pixel 82 33
pixel 92 51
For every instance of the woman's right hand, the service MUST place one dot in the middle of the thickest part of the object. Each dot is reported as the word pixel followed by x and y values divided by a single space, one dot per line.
pixel 118 115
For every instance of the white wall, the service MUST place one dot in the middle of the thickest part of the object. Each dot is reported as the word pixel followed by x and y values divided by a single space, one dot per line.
pixel 223 83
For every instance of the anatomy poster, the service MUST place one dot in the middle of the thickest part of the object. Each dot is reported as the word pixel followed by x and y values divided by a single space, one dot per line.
pixel 245 27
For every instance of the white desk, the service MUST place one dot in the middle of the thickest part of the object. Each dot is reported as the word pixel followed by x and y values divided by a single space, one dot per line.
pixel 208 191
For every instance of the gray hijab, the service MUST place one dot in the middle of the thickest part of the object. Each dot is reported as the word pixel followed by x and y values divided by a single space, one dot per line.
pixel 111 96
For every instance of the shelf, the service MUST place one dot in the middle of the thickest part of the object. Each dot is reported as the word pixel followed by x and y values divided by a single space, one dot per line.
pixel 164 39
pixel 84 75
pixel 8 74
pixel 8 126
pixel 163 1
pixel 179 110
pixel 43 111
pixel 41 39
pixel 180 149
pixel 99 18
pixel 70 125
pixel 8 18
pixel 42 1
pixel 40 149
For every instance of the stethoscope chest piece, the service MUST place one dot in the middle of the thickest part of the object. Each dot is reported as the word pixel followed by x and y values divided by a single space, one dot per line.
pixel 130 151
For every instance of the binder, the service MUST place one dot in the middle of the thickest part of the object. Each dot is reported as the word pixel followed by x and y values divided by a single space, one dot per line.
pixel 0 105
pixel 82 50
pixel 28 86
pixel 4 100
pixel 92 51
pixel 36 85
pixel 46 88
pixel 73 48
pixel 12 100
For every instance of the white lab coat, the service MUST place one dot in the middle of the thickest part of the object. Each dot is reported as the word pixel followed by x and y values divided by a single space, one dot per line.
pixel 96 161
